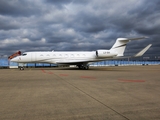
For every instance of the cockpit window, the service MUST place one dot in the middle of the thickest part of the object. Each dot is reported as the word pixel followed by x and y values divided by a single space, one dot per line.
pixel 24 54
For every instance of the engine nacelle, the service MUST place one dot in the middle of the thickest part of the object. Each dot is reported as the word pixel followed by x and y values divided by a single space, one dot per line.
pixel 105 54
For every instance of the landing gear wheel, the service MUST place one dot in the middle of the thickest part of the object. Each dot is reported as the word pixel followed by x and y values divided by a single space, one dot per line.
pixel 86 67
pixel 79 66
pixel 21 68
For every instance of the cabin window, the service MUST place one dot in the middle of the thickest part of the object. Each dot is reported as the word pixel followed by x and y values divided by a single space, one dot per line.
pixel 24 54
pixel 66 55
pixel 72 55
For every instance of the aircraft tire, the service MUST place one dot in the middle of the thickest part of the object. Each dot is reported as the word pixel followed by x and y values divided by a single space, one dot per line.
pixel 21 68
pixel 86 67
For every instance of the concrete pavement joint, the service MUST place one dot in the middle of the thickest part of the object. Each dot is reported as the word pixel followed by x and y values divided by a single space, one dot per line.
pixel 126 80
pixel 93 98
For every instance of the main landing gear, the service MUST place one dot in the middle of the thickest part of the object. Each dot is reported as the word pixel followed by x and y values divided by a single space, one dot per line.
pixel 84 67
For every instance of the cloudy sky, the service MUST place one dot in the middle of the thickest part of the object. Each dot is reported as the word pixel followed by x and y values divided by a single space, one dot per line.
pixel 44 25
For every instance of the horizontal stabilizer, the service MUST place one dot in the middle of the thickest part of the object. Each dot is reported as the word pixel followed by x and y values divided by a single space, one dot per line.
pixel 137 38
pixel 142 51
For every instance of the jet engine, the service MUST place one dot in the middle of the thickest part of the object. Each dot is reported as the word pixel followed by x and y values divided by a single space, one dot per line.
pixel 105 53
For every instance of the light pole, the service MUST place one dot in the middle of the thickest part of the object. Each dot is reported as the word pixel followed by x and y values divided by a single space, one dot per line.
pixel 1 59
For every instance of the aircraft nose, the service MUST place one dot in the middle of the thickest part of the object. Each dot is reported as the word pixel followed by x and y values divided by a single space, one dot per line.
pixel 14 59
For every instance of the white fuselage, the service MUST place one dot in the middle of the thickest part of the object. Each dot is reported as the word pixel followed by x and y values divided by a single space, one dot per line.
pixel 61 57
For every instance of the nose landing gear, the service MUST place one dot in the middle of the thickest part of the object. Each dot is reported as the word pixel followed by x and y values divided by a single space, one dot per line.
pixel 21 68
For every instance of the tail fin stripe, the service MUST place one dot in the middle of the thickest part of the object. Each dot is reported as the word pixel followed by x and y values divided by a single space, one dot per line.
pixel 119 46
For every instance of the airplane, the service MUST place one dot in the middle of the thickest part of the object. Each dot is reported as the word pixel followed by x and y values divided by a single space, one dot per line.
pixel 82 59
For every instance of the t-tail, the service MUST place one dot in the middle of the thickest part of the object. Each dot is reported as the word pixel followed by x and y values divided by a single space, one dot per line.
pixel 120 45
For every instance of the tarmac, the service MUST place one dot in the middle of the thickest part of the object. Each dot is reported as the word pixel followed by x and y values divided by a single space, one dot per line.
pixel 100 93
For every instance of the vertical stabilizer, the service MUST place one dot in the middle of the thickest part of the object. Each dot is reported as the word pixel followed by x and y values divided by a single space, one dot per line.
pixel 120 45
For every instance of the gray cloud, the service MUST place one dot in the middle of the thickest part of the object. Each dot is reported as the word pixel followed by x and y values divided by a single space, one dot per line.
pixel 19 8
pixel 28 25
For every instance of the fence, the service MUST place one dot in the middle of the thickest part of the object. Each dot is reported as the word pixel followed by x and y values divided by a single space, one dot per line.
pixel 5 63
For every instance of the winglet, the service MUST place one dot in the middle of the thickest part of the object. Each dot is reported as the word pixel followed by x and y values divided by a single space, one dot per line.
pixel 142 51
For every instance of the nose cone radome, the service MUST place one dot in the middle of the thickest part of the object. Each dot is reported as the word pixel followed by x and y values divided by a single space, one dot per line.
pixel 14 59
